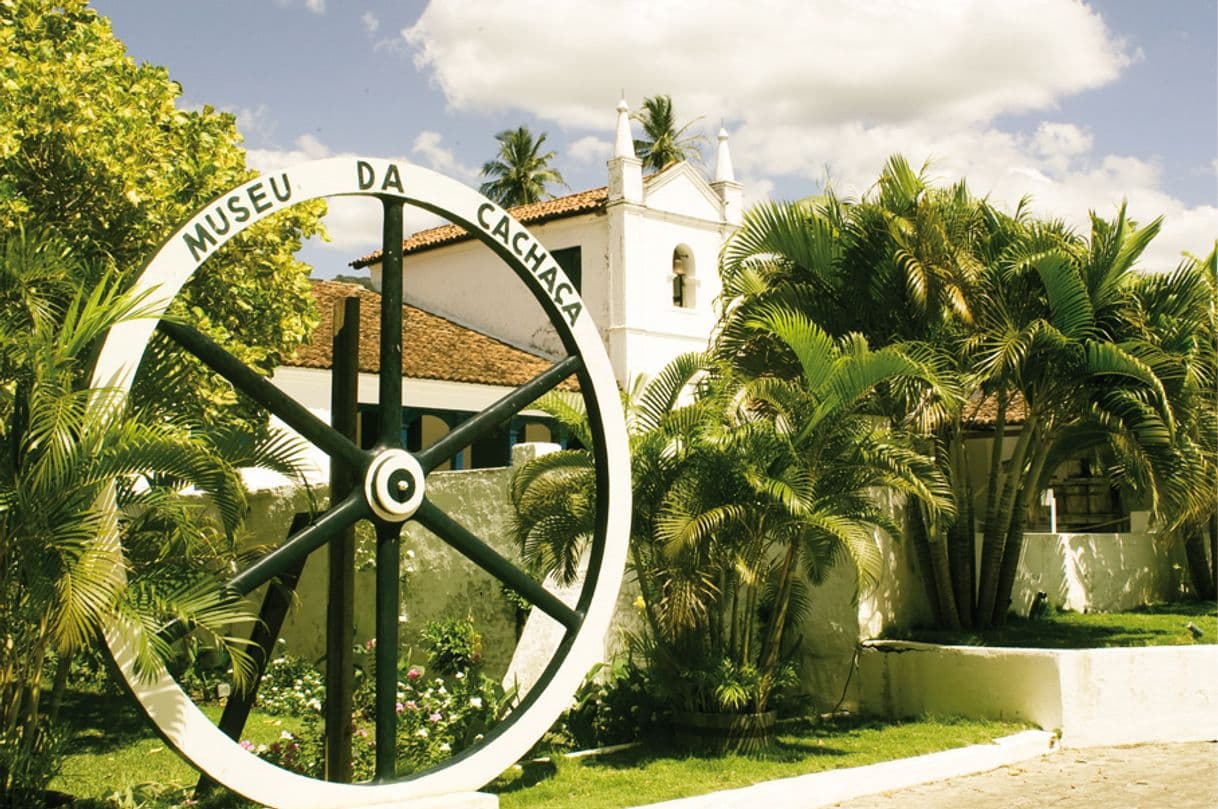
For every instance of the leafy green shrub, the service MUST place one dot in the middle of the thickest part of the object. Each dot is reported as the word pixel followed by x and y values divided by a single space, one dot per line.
pixel 453 645
pixel 616 704
pixel 28 765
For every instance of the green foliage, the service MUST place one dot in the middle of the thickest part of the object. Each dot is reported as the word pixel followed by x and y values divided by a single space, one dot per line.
pixel 453 645
pixel 30 757
pixel 521 171
pixel 93 147
pixel 663 142
pixel 437 717
pixel 745 491
pixel 1054 329
pixel 94 526
pixel 617 703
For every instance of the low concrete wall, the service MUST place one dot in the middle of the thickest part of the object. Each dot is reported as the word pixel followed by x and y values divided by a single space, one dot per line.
pixel 1093 696
pixel 1078 571
pixel 1099 572
pixel 437 582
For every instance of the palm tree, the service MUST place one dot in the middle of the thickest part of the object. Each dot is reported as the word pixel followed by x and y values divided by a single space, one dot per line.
pixel 1173 321
pixel 521 171
pixel 744 494
pixel 663 142
pixel 92 530
pixel 1002 308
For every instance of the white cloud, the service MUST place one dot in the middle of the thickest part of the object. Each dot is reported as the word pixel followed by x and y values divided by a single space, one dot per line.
pixel 826 88
pixel 307 148
pixel 822 62
pixel 1055 166
pixel 370 22
pixel 255 122
pixel 315 6
pixel 590 149
pixel 428 145
pixel 353 223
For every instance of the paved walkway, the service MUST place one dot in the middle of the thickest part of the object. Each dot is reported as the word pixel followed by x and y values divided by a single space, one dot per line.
pixel 1147 776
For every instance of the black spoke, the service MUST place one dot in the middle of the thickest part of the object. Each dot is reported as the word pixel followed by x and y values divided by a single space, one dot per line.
pixel 262 391
pixel 490 560
pixel 388 600
pixel 390 420
pixel 473 429
pixel 300 545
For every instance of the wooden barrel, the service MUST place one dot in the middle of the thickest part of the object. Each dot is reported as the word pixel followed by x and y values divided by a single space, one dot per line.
pixel 721 733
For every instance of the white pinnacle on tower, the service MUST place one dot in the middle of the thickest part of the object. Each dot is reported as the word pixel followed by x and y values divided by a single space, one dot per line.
pixel 623 143
pixel 730 192
pixel 723 160
pixel 625 169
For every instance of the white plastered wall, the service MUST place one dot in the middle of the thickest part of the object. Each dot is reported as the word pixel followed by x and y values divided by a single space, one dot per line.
pixel 468 284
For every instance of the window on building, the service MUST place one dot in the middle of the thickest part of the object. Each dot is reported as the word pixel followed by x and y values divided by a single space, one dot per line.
pixel 683 285
pixel 569 259
pixel 422 427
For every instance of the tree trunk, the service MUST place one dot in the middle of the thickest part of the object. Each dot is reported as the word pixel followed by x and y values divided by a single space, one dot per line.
pixel 59 685
pixel 915 532
pixel 962 534
pixel 1198 566
pixel 1014 543
pixel 940 568
pixel 1213 526
pixel 768 658
pixel 998 527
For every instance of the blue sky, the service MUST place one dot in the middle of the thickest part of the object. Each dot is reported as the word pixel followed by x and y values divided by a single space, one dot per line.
pixel 1079 105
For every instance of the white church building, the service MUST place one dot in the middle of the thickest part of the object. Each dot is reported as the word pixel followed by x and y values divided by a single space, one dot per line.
pixel 642 251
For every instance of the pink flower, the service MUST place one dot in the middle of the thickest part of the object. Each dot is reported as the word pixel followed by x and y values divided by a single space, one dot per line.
pixel 435 717
pixel 414 673
pixel 399 707
pixel 370 644
pixel 246 744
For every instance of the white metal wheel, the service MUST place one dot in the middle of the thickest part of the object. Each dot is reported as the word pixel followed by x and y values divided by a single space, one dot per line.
pixel 392 484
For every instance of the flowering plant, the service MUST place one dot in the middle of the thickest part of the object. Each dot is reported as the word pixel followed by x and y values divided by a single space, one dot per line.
pixel 291 686
pixel 439 716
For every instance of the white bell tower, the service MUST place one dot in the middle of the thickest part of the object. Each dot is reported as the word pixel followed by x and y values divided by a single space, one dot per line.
pixel 665 231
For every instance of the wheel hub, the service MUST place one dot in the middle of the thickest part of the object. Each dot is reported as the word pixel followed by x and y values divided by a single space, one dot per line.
pixel 393 485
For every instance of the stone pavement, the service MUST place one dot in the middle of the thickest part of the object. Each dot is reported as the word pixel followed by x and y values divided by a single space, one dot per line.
pixel 1146 776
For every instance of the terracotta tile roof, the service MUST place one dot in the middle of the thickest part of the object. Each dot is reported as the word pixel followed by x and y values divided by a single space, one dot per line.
pixel 984 412
pixel 432 347
pixel 533 213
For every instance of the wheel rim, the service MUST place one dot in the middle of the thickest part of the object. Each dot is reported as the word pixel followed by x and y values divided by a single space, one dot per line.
pixel 393 488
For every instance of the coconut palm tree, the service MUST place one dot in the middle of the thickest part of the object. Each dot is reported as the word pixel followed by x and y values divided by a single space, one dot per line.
pixel 663 142
pixel 521 171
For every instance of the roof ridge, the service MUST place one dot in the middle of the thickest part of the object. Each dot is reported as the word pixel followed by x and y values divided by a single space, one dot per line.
pixel 532 212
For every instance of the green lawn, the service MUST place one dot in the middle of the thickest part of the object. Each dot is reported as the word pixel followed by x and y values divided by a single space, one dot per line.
pixel 1155 625
pixel 647 774
pixel 114 750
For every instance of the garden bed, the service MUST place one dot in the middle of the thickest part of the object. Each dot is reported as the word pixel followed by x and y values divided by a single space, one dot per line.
pixel 1138 693
pixel 1153 625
